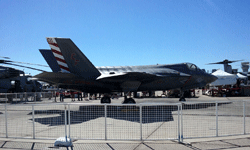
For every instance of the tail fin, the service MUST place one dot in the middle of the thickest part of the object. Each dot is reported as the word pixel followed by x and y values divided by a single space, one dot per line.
pixel 71 59
pixel 50 59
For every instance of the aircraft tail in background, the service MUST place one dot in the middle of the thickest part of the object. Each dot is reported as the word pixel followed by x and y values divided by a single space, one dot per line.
pixel 50 59
pixel 70 59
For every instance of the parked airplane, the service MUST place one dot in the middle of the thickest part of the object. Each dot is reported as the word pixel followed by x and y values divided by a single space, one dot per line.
pixel 227 67
pixel 77 72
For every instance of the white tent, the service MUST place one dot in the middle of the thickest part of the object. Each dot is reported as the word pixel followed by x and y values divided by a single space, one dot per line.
pixel 241 76
pixel 224 78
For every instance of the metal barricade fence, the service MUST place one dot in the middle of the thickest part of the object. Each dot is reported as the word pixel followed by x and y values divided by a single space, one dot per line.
pixel 230 118
pixel 19 121
pixel 24 97
pixel 198 119
pixel 173 121
pixel 213 119
pixel 247 116
pixel 160 122
pixel 88 121
pixel 49 121
pixel 3 121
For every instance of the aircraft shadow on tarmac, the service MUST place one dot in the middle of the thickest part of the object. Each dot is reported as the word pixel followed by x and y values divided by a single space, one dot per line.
pixel 150 114
pixel 86 113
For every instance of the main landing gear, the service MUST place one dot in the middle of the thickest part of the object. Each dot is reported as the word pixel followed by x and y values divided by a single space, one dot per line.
pixel 106 100
pixel 182 99
pixel 128 100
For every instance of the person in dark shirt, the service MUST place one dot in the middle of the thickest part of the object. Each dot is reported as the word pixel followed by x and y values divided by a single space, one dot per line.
pixel 72 96
pixel 79 95
pixel 61 96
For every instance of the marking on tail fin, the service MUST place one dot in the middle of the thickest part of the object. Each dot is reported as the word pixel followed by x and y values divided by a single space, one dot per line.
pixel 76 61
pixel 58 55
pixel 73 58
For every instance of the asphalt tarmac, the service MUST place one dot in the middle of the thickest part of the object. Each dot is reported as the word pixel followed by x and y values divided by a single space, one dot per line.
pixel 241 142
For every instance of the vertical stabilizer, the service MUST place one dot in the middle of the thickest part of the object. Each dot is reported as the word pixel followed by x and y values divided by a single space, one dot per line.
pixel 50 59
pixel 71 59
pixel 58 55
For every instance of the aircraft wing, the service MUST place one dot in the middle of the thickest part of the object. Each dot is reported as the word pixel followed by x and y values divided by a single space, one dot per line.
pixel 131 81
pixel 121 77
pixel 135 76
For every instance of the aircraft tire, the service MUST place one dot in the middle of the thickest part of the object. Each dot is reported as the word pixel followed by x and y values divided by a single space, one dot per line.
pixel 105 99
pixel 129 101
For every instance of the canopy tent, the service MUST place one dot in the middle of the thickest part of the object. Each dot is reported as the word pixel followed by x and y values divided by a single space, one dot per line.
pixel 240 76
pixel 224 78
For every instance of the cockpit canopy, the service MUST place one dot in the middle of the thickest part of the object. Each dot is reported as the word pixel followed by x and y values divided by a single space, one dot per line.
pixel 192 66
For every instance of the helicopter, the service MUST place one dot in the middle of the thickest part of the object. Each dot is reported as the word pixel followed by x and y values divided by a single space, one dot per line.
pixel 14 81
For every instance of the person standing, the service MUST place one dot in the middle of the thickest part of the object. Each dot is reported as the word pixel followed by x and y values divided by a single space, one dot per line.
pixel 61 96
pixel 72 96
pixel 79 96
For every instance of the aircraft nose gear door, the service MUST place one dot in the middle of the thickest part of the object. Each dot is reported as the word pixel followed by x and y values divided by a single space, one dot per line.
pixel 127 87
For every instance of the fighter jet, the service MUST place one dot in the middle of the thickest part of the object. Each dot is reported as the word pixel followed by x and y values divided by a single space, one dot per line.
pixel 77 72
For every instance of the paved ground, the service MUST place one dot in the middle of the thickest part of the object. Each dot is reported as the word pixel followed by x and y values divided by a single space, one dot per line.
pixel 233 143
pixel 230 142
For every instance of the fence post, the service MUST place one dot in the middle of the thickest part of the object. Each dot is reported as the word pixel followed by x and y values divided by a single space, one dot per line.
pixel 244 117
pixel 179 136
pixel 105 113
pixel 181 125
pixel 140 122
pixel 216 119
pixel 33 119
pixel 65 120
pixel 69 118
pixel 6 123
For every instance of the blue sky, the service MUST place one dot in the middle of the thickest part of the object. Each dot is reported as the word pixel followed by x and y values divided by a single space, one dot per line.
pixel 129 32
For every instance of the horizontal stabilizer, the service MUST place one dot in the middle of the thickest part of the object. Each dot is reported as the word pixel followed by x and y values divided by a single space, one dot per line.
pixel 55 77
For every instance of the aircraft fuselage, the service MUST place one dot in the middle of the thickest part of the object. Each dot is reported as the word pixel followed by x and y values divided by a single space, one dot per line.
pixel 164 77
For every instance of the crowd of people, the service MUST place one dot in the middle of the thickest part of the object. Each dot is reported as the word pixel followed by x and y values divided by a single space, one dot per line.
pixel 72 95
